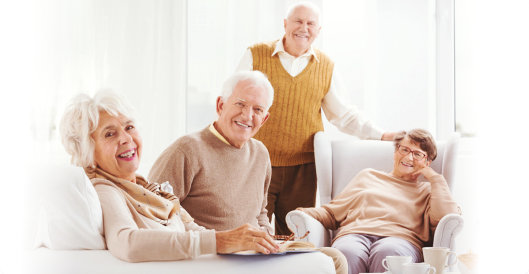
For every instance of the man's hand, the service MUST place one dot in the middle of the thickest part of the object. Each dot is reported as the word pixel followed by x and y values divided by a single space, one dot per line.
pixel 245 237
pixel 388 136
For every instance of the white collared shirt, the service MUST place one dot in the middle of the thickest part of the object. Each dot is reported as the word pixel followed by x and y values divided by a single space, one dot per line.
pixel 345 117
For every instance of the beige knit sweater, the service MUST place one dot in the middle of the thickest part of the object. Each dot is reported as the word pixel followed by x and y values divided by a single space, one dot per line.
pixel 376 203
pixel 221 186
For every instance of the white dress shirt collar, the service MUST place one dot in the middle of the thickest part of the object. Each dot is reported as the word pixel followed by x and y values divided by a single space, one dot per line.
pixel 279 48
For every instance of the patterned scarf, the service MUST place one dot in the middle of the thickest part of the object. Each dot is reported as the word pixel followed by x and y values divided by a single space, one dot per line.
pixel 147 198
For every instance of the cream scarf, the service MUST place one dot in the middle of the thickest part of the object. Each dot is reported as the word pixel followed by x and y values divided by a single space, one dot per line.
pixel 147 198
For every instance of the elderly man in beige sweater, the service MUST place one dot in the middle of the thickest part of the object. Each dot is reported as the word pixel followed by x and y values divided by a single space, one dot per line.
pixel 221 174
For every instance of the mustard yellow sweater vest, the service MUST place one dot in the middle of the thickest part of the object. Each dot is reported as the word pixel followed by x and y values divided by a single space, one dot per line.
pixel 295 115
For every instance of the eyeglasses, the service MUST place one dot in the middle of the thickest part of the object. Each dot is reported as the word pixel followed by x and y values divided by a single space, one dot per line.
pixel 285 238
pixel 404 150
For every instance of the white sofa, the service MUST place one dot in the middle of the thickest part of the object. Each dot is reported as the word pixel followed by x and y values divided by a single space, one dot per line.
pixel 337 162
pixel 68 233
pixel 47 261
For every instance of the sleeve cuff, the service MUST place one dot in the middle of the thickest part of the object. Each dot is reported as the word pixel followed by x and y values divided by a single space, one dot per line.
pixel 208 242
pixel 268 229
pixel 376 133
pixel 322 215
pixel 314 212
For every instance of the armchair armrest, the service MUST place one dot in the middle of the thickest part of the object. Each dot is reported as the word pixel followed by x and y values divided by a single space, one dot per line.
pixel 300 222
pixel 446 231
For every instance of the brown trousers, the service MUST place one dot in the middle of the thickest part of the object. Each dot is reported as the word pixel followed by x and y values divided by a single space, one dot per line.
pixel 290 187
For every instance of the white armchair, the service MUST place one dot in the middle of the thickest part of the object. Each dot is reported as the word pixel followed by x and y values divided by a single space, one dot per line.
pixel 337 162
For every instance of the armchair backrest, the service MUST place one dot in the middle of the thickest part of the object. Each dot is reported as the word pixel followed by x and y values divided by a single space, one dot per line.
pixel 337 162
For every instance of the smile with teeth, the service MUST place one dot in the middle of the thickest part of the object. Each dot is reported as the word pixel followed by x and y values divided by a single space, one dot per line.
pixel 406 164
pixel 301 35
pixel 243 125
pixel 128 154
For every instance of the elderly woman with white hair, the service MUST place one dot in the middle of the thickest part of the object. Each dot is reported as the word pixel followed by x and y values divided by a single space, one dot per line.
pixel 141 221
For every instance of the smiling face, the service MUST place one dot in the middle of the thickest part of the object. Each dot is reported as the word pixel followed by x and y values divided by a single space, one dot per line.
pixel 406 166
pixel 243 113
pixel 301 29
pixel 117 146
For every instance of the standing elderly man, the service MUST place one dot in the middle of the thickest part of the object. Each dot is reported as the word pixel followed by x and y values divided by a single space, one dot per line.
pixel 304 83
pixel 220 174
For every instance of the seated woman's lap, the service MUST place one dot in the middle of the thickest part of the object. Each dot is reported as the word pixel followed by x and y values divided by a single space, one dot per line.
pixel 365 253
pixel 355 247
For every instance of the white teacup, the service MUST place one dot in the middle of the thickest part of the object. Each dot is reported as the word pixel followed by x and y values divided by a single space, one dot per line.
pixel 394 264
pixel 438 257
pixel 418 268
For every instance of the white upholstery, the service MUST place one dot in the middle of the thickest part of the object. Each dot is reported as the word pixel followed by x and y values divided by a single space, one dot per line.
pixel 69 212
pixel 70 221
pixel 337 162
pixel 47 261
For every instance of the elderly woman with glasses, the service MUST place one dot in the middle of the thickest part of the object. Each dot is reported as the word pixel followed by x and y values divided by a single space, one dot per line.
pixel 142 222
pixel 380 214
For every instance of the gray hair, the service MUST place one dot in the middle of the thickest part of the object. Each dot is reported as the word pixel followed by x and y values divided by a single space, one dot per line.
pixel 305 4
pixel 420 137
pixel 257 78
pixel 81 119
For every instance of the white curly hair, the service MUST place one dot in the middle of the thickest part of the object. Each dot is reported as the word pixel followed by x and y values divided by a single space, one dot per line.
pixel 81 119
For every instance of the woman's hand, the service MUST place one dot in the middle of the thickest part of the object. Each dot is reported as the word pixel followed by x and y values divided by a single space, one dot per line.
pixel 245 237
pixel 425 170
pixel 428 172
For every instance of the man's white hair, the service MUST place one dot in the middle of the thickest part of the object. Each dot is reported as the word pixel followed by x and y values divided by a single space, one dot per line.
pixel 305 4
pixel 255 77
pixel 81 119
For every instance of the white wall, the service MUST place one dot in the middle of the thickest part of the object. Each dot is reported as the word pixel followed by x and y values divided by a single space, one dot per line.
pixel 218 34
pixel 132 47
pixel 493 58
pixel 385 54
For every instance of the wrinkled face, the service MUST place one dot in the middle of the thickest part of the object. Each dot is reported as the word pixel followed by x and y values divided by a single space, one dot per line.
pixel 117 146
pixel 243 113
pixel 301 29
pixel 406 165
